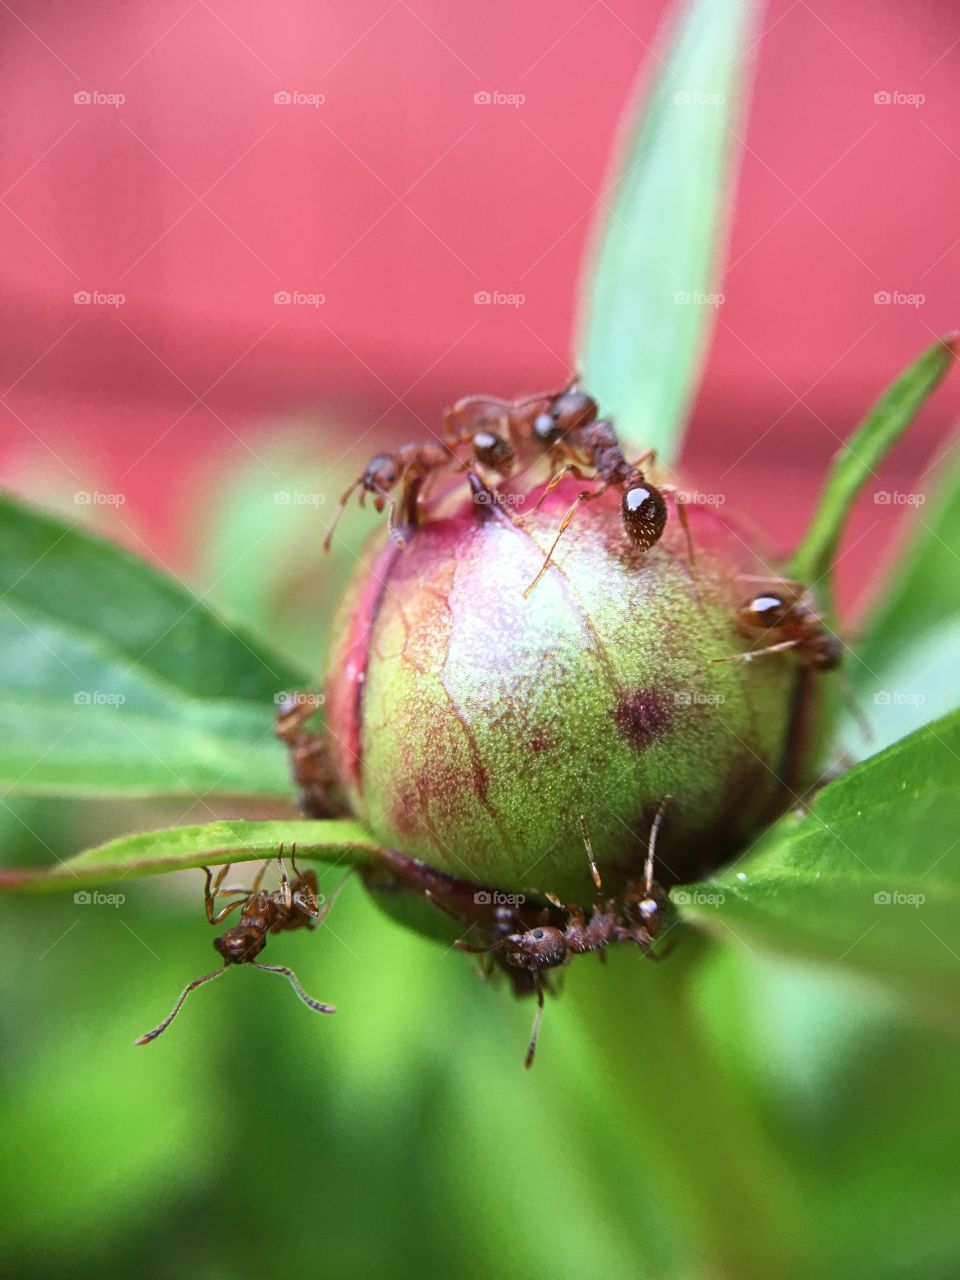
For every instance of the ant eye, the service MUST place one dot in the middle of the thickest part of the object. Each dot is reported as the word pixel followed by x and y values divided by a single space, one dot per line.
pixel 545 428
pixel 538 934
pixel 492 449
pixel 649 908
pixel 644 514
pixel 767 610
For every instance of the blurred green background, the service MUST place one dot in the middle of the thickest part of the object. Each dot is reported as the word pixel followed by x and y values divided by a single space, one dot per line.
pixel 724 1114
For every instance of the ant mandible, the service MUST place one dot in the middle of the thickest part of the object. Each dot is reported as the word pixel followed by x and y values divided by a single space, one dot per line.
pixel 784 615
pixel 295 905
pixel 637 915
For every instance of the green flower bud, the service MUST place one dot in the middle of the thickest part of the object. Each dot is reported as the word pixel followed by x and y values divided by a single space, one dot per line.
pixel 472 726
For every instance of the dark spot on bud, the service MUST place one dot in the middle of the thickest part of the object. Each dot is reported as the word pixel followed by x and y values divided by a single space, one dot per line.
pixel 644 514
pixel 642 717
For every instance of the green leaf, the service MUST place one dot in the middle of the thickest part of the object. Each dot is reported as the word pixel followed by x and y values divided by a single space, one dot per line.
pixel 117 680
pixel 644 309
pixel 855 462
pixel 869 878
pixel 208 844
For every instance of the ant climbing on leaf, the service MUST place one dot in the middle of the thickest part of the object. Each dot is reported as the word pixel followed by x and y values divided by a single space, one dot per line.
pixel 295 905
pixel 637 915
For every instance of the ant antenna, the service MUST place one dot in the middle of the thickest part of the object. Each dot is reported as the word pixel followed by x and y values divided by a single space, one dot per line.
pixel 197 982
pixel 341 506
pixel 652 846
pixel 537 1019
pixel 594 869
pixel 288 973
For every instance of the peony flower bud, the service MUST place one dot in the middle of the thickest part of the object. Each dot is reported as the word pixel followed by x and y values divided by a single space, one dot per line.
pixel 471 725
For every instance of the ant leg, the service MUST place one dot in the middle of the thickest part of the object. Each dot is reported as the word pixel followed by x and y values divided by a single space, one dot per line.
pixel 286 896
pixel 594 869
pixel 537 1019
pixel 324 911
pixel 683 518
pixel 310 764
pixel 749 654
pixel 568 469
pixel 652 845
pixel 212 888
pixel 585 496
pixel 341 506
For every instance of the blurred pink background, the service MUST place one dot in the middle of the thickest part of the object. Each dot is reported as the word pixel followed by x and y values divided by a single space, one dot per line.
pixel 199 197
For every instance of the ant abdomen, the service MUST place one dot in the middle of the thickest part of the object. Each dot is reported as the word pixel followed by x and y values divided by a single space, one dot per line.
pixel 644 511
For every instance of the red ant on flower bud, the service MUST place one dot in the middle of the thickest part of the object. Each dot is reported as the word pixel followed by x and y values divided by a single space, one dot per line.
pixel 295 905
pixel 784 616
pixel 637 915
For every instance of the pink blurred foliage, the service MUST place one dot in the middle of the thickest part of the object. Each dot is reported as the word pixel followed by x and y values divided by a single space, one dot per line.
pixel 199 197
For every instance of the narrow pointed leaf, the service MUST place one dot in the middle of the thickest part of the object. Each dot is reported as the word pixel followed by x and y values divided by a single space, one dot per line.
pixel 855 463
pixel 649 296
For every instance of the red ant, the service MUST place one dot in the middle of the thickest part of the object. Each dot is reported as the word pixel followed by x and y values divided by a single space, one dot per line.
pixel 784 615
pixel 295 905
pixel 637 915
pixel 412 467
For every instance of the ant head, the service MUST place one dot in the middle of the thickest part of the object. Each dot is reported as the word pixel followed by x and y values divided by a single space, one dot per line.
pixel 644 514
pixel 240 944
pixel 566 412
pixel 380 473
pixel 493 451
pixel 543 947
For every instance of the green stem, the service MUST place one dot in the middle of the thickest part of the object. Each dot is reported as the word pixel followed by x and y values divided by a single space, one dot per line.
pixel 855 463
